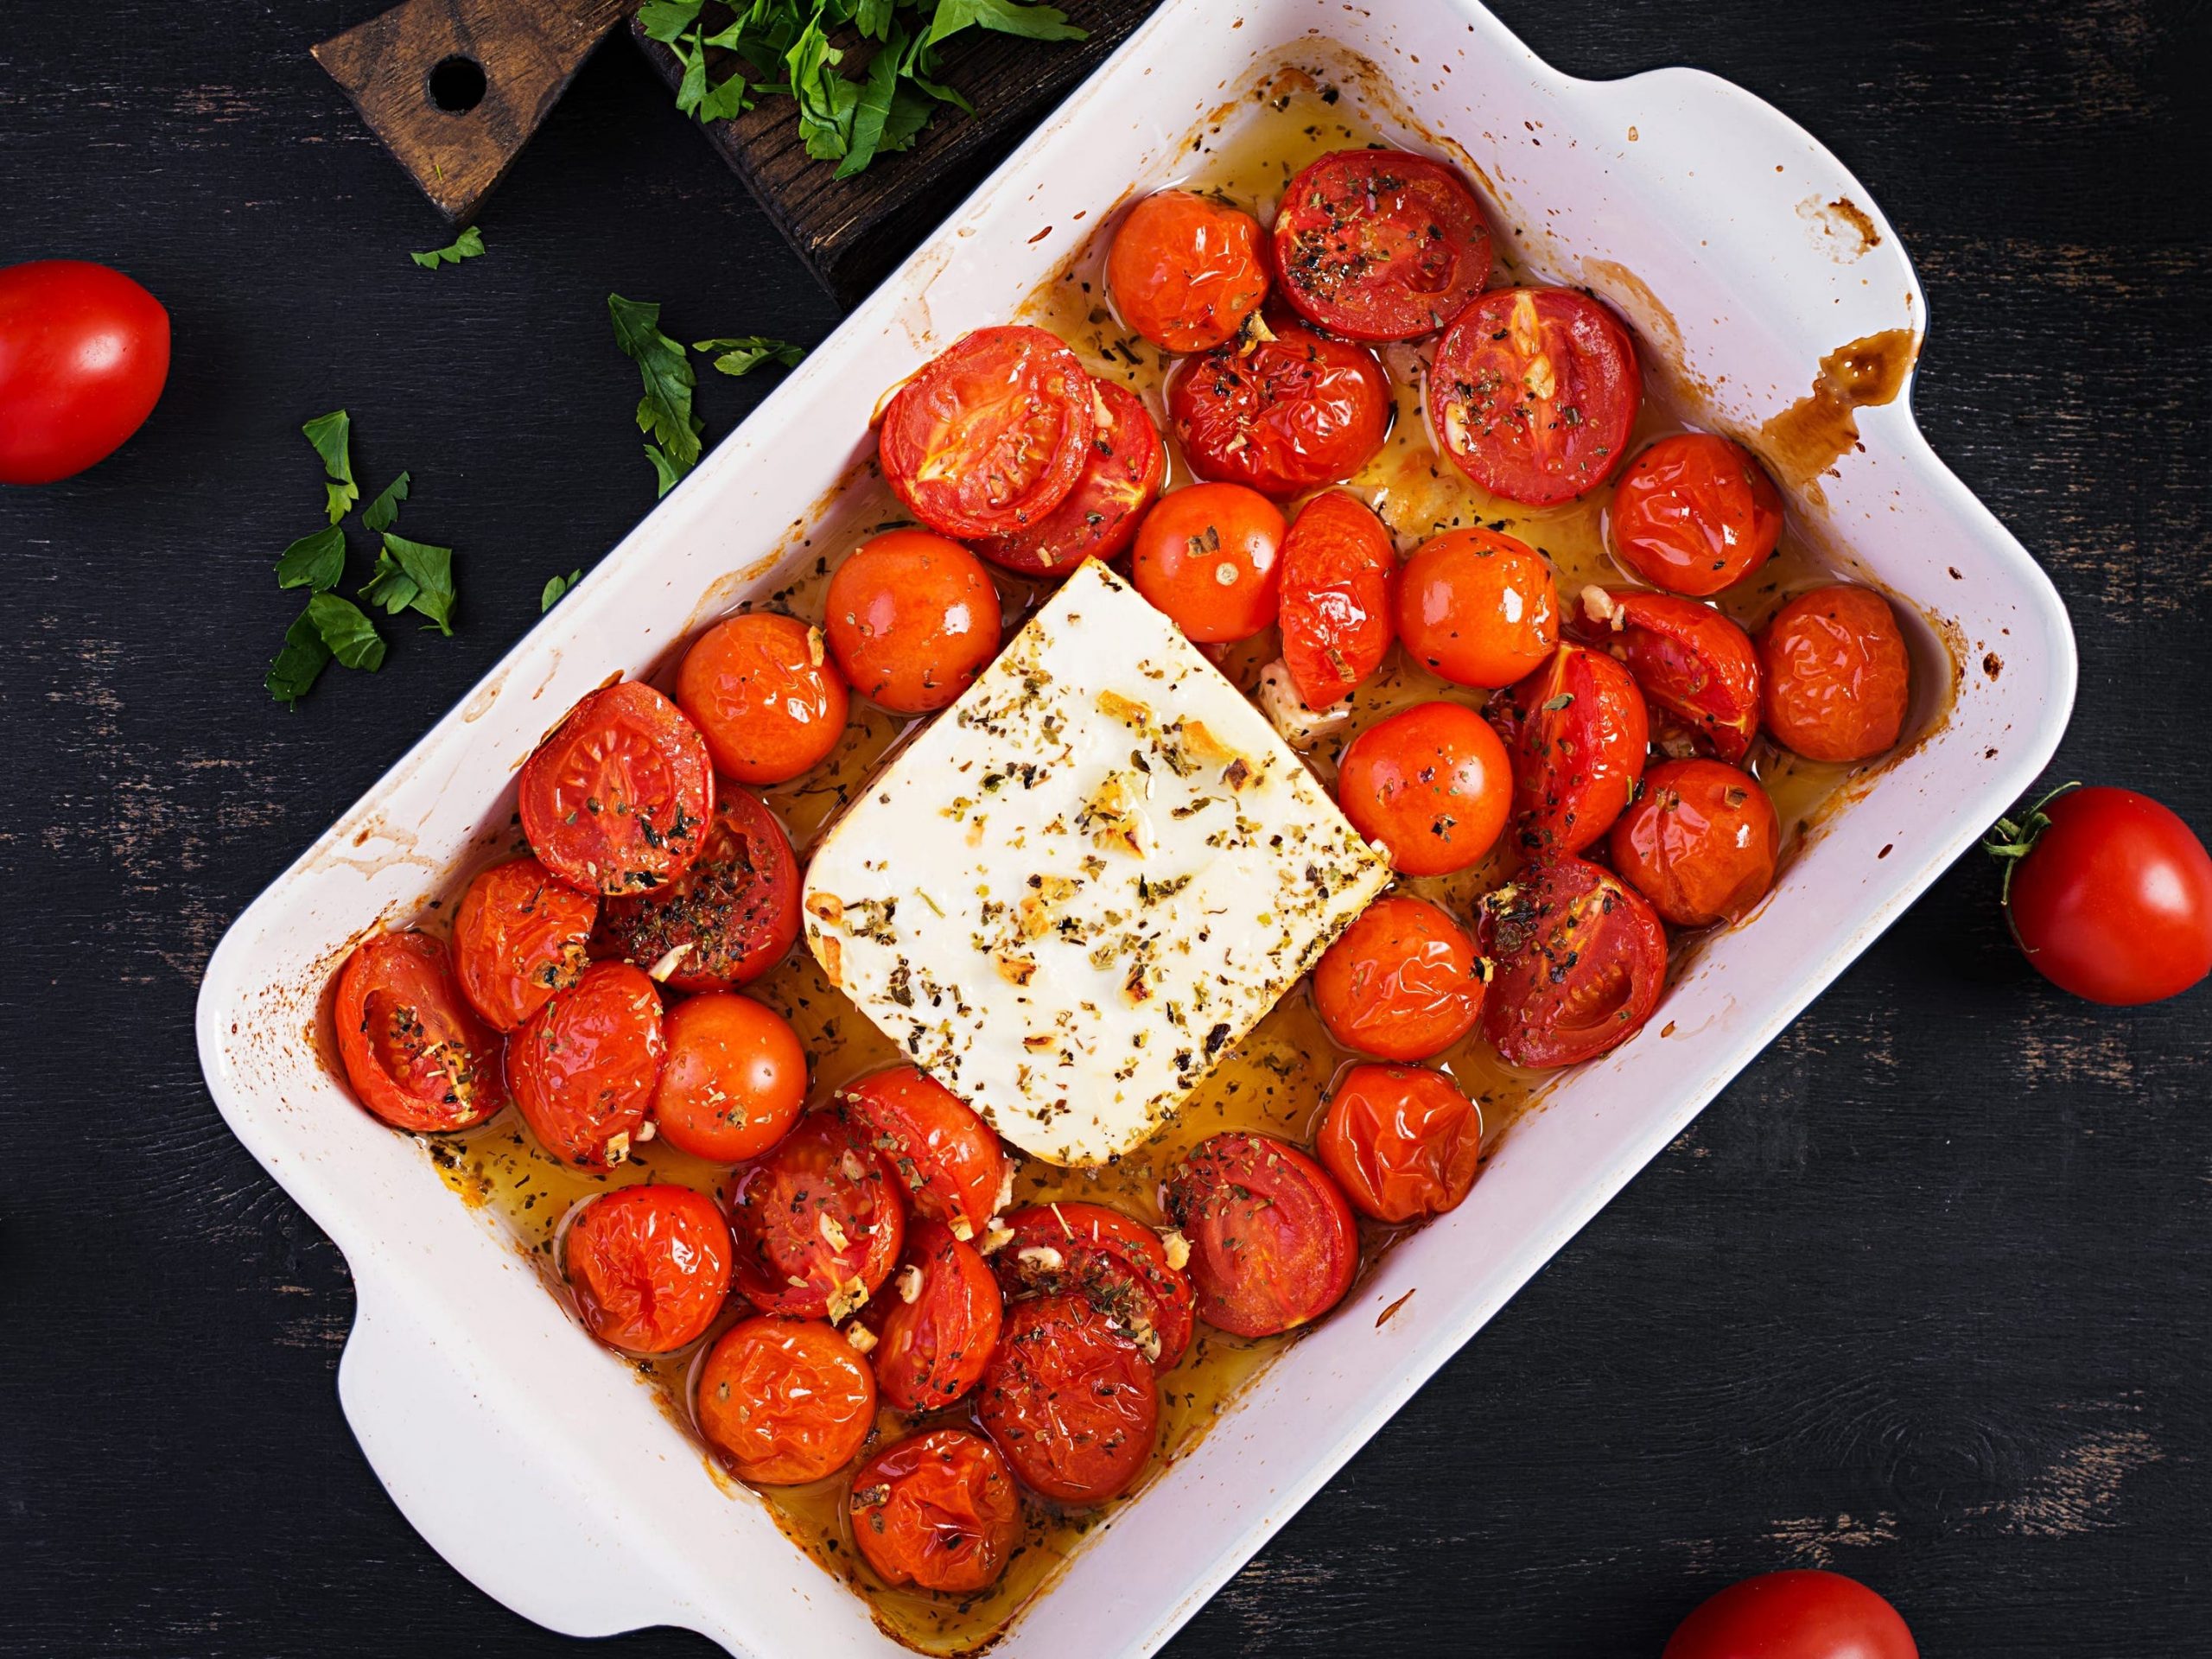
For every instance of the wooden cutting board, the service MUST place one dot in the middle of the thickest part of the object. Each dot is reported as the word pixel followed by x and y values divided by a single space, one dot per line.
pixel 851 231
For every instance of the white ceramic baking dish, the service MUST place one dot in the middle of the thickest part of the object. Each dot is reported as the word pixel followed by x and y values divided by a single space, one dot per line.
pixel 532 1459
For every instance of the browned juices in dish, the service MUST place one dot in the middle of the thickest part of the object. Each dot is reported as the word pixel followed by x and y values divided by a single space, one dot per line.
pixel 1276 1080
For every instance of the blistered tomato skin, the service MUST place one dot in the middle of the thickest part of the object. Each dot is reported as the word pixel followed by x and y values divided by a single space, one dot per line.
pixel 1121 476
pixel 1380 245
pixel 939 1511
pixel 733 1080
pixel 1697 670
pixel 941 1153
pixel 1402 983
pixel 1577 731
pixel 1580 961
pixel 936 1327
pixel 648 1266
pixel 615 799
pixel 1273 1241
pixel 583 1070
pixel 1184 270
pixel 1701 842
pixel 1070 1402
pixel 817 1223
pixel 518 937
pixel 1282 416
pixel 1836 676
pixel 1432 784
pixel 1402 1141
pixel 1119 1265
pixel 1339 567
pixel 784 1402
pixel 912 618
pixel 765 695
pixel 1210 556
pixel 727 920
pixel 1693 513
pixel 1478 607
pixel 414 1052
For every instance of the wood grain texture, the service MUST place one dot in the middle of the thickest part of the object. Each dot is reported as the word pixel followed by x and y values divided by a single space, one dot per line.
pixel 1922 1296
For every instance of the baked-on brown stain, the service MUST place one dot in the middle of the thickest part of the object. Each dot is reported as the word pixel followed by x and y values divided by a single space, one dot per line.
pixel 1855 216
pixel 1808 438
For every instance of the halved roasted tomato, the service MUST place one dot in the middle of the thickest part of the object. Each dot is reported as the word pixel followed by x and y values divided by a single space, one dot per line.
pixel 940 1152
pixel 1338 566
pixel 1281 414
pixel 1380 245
pixel 648 1266
pixel 1122 1266
pixel 1121 477
pixel 1580 960
pixel 414 1052
pixel 1698 670
pixel 817 1222
pixel 939 1511
pixel 726 919
pixel 1273 1241
pixel 616 798
pixel 584 1068
pixel 1070 1401
pixel 1577 731
pixel 935 1332
pixel 1404 1142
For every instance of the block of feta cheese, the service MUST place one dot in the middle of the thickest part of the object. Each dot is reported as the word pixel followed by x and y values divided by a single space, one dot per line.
pixel 1084 881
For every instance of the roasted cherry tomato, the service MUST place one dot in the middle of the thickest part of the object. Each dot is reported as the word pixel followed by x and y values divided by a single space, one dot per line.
pixel 766 696
pixel 991 434
pixel 518 937
pixel 940 1154
pixel 83 354
pixel 1803 1614
pixel 1401 1141
pixel 1282 415
pixel 939 1511
pixel 1380 245
pixel 1577 731
pixel 1697 670
pixel 616 798
pixel 1693 513
pixel 1186 270
pixel 2109 894
pixel 1836 676
pixel 733 1080
pixel 1579 961
pixel 1402 982
pixel 1338 564
pixel 1699 842
pixel 1209 558
pixel 584 1068
pixel 726 919
pixel 1432 783
pixel 1121 477
pixel 935 1335
pixel 1070 1401
pixel 784 1402
pixel 1478 607
pixel 913 620
pixel 1119 1265
pixel 416 1054
pixel 650 1267
pixel 1533 393
pixel 1273 1243
pixel 817 1222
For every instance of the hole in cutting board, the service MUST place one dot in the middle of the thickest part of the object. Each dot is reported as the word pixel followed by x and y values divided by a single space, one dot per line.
pixel 456 84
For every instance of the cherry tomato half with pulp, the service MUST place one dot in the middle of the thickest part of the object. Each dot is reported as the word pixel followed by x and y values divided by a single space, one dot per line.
pixel 1478 607
pixel 1119 1265
pixel 817 1222
pixel 1402 1141
pixel 765 694
pixel 1802 1614
pixel 1402 983
pixel 726 919
pixel 1432 783
pixel 1533 393
pixel 1693 513
pixel 939 1152
pixel 583 1069
pixel 913 620
pixel 1697 670
pixel 784 1402
pixel 518 937
pixel 935 1335
pixel 1280 415
pixel 1836 676
pixel 413 1049
pixel 1209 557
pixel 1121 476
pixel 991 434
pixel 1273 1241
pixel 84 355
pixel 1338 564
pixel 2112 897
pixel 939 1511
pixel 1186 270
pixel 1380 245
pixel 1068 1400
pixel 733 1080
pixel 616 798
pixel 1701 842
pixel 648 1266
pixel 1577 731
pixel 1579 958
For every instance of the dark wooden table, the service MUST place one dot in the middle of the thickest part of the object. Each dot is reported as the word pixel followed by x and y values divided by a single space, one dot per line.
pixel 1923 1297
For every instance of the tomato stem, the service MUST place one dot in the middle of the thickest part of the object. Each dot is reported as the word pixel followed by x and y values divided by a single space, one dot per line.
pixel 2010 841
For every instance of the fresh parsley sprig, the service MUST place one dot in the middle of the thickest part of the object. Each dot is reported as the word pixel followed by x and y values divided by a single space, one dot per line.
pixel 332 437
pixel 664 412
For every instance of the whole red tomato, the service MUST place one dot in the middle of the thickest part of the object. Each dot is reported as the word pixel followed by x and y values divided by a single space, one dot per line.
pixel 83 354
pixel 1798 1615
pixel 2109 894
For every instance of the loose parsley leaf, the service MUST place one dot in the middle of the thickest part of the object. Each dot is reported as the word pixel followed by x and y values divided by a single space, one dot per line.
pixel 1032 22
pixel 414 576
pixel 316 561
pixel 666 20
pixel 352 638
pixel 467 245
pixel 665 410
pixel 555 587
pixel 383 512
pixel 300 663
pixel 665 470
pixel 742 353
pixel 873 109
pixel 331 434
